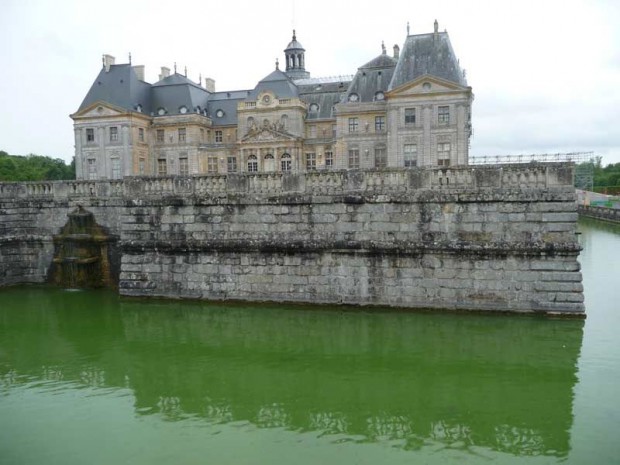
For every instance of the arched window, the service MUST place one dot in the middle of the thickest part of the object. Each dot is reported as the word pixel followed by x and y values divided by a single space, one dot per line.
pixel 285 162
pixel 269 163
pixel 252 164
pixel 284 121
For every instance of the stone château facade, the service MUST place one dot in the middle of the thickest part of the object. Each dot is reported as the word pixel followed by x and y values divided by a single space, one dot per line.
pixel 411 108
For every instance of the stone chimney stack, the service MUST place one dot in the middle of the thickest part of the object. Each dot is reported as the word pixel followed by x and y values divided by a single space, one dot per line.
pixel 108 60
pixel 165 72
pixel 436 27
pixel 210 85
pixel 139 69
pixel 396 51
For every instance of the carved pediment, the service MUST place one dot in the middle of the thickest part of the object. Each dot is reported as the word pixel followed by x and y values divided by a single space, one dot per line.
pixel 99 110
pixel 267 132
pixel 426 85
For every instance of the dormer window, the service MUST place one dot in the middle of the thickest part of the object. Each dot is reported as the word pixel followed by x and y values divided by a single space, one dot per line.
pixel 426 86
pixel 219 113
pixel 139 108
pixel 161 111
pixel 183 109
pixel 314 108
pixel 353 97
pixel 379 96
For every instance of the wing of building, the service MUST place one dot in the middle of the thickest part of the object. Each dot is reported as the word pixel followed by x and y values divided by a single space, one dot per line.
pixel 410 108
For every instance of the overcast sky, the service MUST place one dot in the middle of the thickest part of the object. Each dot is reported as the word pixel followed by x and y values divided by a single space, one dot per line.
pixel 545 73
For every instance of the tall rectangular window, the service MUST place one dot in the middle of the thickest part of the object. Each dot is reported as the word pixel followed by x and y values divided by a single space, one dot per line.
pixel 183 164
pixel 160 135
pixel 142 166
pixel 380 157
pixel 90 135
pixel 310 161
pixel 232 164
pixel 202 135
pixel 379 123
pixel 92 169
pixel 212 165
pixel 162 167
pixel 141 134
pixel 409 115
pixel 443 153
pixel 116 168
pixel 252 164
pixel 182 134
pixel 353 124
pixel 354 158
pixel 443 115
pixel 113 134
pixel 218 136
pixel 410 153
pixel 329 159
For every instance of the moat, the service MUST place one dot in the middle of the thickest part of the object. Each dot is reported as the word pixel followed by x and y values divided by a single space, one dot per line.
pixel 89 377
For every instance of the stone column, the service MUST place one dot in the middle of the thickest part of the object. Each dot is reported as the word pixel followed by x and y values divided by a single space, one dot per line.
pixel 79 163
pixel 427 122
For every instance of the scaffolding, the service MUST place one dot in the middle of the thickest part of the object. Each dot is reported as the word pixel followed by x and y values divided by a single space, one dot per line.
pixel 584 163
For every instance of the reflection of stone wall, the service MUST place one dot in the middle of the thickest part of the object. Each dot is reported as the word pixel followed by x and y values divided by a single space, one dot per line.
pixel 497 238
pixel 417 379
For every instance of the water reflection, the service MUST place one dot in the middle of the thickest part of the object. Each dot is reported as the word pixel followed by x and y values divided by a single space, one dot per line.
pixel 503 383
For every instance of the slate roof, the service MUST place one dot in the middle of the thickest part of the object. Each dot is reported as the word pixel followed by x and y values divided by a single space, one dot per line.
pixel 427 54
pixel 324 94
pixel 373 77
pixel 227 102
pixel 278 83
pixel 121 87
pixel 421 54
pixel 176 91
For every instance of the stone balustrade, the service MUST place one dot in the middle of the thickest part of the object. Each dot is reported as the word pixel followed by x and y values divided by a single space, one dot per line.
pixel 452 179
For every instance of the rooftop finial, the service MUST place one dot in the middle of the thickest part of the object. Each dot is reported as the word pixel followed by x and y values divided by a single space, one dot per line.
pixel 277 64
pixel 436 27
pixel 103 60
pixel 407 27
pixel 186 71
pixel 200 79
pixel 294 36
pixel 129 57
pixel 383 48
pixel 175 67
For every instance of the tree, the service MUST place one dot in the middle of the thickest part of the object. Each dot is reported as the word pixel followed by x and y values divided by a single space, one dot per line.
pixel 34 168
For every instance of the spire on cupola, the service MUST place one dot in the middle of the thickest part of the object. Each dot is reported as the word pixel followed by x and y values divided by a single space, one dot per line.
pixel 295 59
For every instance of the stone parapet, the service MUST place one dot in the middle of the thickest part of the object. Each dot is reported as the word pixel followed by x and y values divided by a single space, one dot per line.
pixel 453 179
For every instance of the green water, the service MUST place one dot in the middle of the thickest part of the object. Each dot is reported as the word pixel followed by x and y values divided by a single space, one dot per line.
pixel 88 378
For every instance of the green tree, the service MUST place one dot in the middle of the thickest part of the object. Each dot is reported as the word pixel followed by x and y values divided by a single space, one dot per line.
pixel 34 168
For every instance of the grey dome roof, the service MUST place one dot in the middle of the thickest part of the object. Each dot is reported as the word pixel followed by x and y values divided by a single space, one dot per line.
pixel 294 44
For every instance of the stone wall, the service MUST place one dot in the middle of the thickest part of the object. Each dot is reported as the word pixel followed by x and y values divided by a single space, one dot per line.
pixel 32 213
pixel 490 238
pixel 601 213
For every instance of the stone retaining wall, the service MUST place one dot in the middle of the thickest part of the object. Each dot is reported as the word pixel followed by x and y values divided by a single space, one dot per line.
pixel 490 238
pixel 601 213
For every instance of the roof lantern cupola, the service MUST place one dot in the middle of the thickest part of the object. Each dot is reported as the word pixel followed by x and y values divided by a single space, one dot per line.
pixel 295 59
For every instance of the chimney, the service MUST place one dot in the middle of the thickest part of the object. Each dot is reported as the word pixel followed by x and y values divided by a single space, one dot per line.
pixel 210 85
pixel 165 72
pixel 396 51
pixel 139 70
pixel 108 60
pixel 436 27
